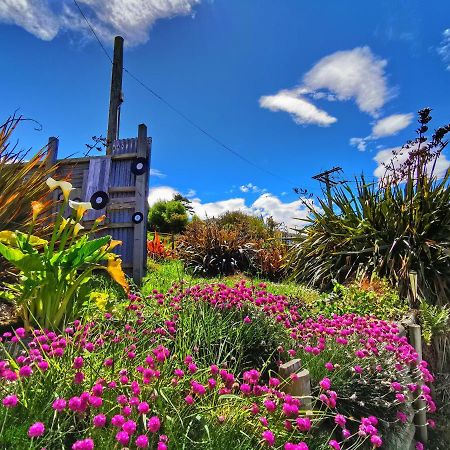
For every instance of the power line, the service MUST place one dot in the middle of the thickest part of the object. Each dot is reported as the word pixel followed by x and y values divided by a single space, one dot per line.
pixel 179 112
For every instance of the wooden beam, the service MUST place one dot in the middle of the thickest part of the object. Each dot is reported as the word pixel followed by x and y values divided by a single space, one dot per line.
pixel 115 97
pixel 119 156
pixel 140 229
pixel 119 225
pixel 117 189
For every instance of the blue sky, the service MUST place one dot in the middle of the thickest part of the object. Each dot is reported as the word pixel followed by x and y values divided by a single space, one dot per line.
pixel 294 86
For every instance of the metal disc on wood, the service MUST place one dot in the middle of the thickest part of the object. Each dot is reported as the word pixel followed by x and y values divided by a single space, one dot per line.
pixel 99 199
pixel 139 166
pixel 137 217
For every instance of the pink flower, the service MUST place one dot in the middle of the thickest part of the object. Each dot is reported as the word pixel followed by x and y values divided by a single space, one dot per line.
pixel 189 399
pixel 78 362
pixel 99 421
pixel 299 446
pixel 10 401
pixel 329 366
pixel 419 446
pixel 25 371
pixel 142 441
pixel 357 369
pixel 129 426
pixel 325 383
pixel 85 444
pixel 122 437
pixel 59 404
pixel 118 420
pixel 340 420
pixel 154 424
pixel 36 430
pixel 247 319
pixel 143 408
pixel 303 423
pixel 78 377
pixel 334 444
pixel 376 440
pixel 270 405
pixel 269 437
pixel 274 382
pixel 198 388
pixel 161 446
pixel 43 365
pixel 245 388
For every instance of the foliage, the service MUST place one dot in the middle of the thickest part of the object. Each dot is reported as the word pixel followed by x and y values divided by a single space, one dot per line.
pixel 252 226
pixel 391 229
pixel 207 249
pixel 157 249
pixel 363 297
pixel 154 374
pixel 167 217
pixel 434 320
pixel 269 260
pixel 53 272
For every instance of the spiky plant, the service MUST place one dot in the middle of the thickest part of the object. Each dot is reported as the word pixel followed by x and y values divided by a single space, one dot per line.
pixel 395 227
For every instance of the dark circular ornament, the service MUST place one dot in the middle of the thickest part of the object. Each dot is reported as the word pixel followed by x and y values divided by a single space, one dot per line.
pixel 99 200
pixel 137 217
pixel 139 166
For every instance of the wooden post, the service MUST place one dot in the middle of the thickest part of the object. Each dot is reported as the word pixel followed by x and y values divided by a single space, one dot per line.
pixel 52 151
pixel 298 382
pixel 141 205
pixel 115 97
pixel 420 408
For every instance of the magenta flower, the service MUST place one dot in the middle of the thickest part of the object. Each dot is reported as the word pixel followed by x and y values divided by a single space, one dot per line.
pixel 142 441
pixel 268 437
pixel 303 423
pixel 143 408
pixel 376 440
pixel 10 401
pixel 122 437
pixel 84 444
pixel 36 430
pixel 118 420
pixel 78 362
pixel 154 424
pixel 299 446
pixel 189 399
pixel 59 404
pixel 270 405
pixel 334 444
pixel 340 420
pixel 130 427
pixel 99 421
pixel 325 383
pixel 25 371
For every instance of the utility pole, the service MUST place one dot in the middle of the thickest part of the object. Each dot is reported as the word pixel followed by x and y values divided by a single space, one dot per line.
pixel 324 177
pixel 115 97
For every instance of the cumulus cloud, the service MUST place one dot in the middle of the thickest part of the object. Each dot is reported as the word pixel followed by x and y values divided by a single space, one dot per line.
pixel 132 19
pixel 352 74
pixel 250 187
pixel 265 205
pixel 444 48
pixel 356 74
pixel 386 157
pixel 388 126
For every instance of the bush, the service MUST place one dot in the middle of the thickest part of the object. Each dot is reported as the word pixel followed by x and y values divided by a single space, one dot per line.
pixel 207 249
pixel 168 217
pixel 392 229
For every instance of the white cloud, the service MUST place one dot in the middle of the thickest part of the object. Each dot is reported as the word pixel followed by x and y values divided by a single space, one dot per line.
pixel 301 110
pixel 391 125
pixel 157 173
pixel 444 48
pixel 386 157
pixel 250 187
pixel 132 19
pixel 355 74
pixel 191 193
pixel 156 194
pixel 352 74
pixel 388 126
pixel 265 205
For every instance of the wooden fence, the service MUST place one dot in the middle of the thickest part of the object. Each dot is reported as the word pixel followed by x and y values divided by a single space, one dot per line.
pixel 117 187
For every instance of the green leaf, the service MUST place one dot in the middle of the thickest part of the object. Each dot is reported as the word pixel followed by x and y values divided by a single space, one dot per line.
pixel 24 262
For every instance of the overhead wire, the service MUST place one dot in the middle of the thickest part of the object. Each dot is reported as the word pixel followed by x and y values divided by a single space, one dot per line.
pixel 179 112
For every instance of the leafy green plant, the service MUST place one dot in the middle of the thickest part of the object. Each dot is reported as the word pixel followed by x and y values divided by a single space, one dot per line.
pixel 392 228
pixel 434 320
pixel 168 217
pixel 52 272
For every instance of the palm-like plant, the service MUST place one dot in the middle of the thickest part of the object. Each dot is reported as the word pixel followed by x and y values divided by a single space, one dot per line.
pixel 392 228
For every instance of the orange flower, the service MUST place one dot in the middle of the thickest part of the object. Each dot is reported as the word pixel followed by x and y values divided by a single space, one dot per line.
pixel 37 208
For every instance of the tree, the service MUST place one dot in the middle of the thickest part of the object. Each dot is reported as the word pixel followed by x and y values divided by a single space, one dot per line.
pixel 167 216
pixel 185 201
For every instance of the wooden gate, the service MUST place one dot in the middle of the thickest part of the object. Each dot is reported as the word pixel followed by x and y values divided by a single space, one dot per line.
pixel 117 186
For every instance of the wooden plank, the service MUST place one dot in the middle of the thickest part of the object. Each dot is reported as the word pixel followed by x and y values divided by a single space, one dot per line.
pixel 120 189
pixel 120 225
pixel 140 229
pixel 98 180
pixel 73 161
pixel 115 205
pixel 121 156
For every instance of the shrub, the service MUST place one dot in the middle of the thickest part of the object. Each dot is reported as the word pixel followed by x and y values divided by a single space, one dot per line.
pixel 391 229
pixel 167 217
pixel 54 271
pixel 208 249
